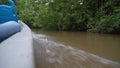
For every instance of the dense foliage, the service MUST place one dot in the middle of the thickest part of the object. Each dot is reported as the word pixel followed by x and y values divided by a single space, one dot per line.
pixel 78 15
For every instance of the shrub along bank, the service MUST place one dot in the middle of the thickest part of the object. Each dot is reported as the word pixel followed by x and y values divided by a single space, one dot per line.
pixel 77 15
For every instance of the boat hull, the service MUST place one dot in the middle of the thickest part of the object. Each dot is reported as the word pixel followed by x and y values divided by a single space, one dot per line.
pixel 17 51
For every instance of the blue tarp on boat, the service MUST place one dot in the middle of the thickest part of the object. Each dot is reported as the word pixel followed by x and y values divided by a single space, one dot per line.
pixel 8 20
pixel 8 13
pixel 9 28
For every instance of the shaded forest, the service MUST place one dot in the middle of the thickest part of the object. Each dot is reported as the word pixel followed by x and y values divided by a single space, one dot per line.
pixel 102 16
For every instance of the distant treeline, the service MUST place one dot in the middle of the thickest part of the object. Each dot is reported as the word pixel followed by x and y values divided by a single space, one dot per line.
pixel 101 16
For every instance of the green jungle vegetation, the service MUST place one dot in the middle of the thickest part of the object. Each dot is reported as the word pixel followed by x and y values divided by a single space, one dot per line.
pixel 102 16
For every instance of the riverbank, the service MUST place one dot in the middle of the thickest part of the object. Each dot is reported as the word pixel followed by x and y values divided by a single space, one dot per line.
pixel 69 15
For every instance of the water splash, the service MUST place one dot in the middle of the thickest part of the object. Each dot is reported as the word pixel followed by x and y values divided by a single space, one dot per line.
pixel 49 54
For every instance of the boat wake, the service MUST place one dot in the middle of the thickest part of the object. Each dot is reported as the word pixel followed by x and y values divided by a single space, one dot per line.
pixel 49 54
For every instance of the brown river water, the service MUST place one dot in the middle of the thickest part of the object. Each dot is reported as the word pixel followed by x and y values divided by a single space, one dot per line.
pixel 55 49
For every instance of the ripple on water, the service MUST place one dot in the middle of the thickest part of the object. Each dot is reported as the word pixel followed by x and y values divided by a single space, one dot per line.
pixel 49 54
